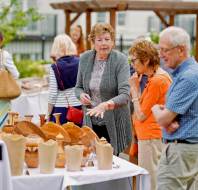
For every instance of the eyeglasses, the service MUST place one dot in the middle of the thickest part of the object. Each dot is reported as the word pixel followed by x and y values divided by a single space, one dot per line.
pixel 132 61
pixel 166 50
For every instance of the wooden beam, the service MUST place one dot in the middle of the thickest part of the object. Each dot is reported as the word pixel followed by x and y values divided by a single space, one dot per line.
pixel 113 18
pixel 88 28
pixel 161 17
pixel 171 19
pixel 94 4
pixel 179 7
pixel 122 6
pixel 68 22
pixel 196 45
pixel 75 18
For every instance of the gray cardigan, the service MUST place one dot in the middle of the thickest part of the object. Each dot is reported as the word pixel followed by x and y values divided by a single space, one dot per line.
pixel 114 85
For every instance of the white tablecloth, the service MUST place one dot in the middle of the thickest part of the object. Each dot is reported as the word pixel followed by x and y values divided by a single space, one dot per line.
pixel 89 175
pixel 5 175
pixel 31 104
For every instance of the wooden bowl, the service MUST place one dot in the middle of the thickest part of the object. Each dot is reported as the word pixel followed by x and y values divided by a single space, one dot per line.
pixel 8 128
pixel 90 136
pixel 51 130
pixel 75 132
pixel 26 128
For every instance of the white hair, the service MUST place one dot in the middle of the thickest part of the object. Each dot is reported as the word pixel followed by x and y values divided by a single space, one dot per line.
pixel 177 36
pixel 63 46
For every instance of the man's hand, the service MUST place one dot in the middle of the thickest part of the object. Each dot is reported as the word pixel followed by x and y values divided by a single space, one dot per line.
pixel 165 118
pixel 172 127
pixel 156 108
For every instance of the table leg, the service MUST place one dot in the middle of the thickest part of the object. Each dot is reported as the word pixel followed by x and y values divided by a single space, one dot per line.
pixel 68 188
pixel 134 183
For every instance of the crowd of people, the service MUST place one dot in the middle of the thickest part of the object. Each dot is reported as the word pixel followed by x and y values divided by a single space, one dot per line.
pixel 103 82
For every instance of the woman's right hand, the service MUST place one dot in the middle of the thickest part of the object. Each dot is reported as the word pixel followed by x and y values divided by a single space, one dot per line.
pixel 134 81
pixel 85 99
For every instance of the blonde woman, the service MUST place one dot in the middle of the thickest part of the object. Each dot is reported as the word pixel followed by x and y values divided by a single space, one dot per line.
pixel 63 75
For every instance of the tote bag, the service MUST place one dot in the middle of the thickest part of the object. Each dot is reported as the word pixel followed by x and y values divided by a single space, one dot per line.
pixel 9 89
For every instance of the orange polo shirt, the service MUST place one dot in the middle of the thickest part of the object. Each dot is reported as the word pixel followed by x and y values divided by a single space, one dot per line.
pixel 154 93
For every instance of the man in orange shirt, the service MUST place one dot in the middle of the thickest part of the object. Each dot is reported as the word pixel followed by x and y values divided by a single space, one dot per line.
pixel 145 59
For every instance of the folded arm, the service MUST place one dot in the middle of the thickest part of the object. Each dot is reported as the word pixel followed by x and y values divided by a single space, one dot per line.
pixel 165 118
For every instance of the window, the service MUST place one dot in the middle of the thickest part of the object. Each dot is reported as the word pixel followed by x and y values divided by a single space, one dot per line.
pixel 121 18
pixel 31 4
pixel 25 56
pixel 186 22
pixel 101 17
pixel 153 24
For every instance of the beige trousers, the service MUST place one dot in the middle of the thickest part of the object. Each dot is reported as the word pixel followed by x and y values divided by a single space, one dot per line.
pixel 178 167
pixel 149 152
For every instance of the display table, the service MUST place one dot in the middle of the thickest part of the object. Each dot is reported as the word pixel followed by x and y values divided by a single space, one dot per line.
pixel 5 175
pixel 117 178
pixel 34 103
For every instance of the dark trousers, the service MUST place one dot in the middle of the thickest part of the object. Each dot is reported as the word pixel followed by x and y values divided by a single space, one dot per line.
pixel 101 131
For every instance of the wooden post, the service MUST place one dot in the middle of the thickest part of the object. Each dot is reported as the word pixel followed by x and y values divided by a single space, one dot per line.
pixel 68 22
pixel 196 39
pixel 161 17
pixel 113 18
pixel 171 19
pixel 88 28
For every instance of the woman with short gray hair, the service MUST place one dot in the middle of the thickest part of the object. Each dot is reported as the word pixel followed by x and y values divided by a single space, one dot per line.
pixel 103 89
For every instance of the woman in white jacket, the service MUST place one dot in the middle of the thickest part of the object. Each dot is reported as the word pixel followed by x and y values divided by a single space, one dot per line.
pixel 7 61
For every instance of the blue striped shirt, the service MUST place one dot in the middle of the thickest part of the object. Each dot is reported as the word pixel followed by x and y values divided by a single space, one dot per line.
pixel 182 98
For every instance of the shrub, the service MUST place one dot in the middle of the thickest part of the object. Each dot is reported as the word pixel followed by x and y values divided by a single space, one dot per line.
pixel 154 37
pixel 29 68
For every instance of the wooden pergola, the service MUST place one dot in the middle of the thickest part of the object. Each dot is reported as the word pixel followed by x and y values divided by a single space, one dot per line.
pixel 162 9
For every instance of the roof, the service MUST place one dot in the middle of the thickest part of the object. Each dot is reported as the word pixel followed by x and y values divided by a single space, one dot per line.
pixel 174 6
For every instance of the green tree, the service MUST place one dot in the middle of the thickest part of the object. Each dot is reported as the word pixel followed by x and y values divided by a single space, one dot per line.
pixel 154 37
pixel 13 19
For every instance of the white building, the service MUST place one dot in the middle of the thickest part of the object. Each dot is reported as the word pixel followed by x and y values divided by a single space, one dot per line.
pixel 130 24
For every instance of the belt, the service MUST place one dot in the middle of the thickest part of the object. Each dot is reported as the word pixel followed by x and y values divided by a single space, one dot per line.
pixel 179 141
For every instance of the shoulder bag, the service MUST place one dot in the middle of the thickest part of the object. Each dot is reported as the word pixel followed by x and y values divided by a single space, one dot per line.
pixel 73 114
pixel 9 89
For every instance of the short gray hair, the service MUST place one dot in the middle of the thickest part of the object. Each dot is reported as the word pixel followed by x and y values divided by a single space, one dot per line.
pixel 177 36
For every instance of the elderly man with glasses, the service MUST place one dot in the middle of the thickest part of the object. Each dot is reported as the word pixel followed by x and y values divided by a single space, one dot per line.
pixel 179 116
